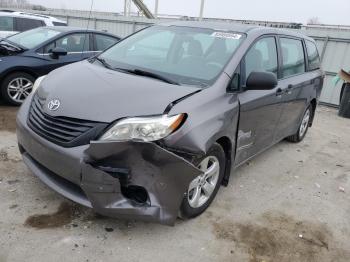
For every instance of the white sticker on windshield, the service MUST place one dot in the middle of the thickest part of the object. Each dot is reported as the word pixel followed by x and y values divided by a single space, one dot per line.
pixel 226 35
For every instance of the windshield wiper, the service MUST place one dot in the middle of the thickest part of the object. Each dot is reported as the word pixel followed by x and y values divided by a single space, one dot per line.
pixel 148 74
pixel 12 47
pixel 136 72
pixel 7 43
pixel 193 82
pixel 103 62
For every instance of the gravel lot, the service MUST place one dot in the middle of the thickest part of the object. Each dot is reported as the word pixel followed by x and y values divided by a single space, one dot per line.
pixel 291 203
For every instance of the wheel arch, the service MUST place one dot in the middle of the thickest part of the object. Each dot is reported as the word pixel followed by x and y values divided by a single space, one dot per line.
pixel 18 70
pixel 313 104
pixel 226 145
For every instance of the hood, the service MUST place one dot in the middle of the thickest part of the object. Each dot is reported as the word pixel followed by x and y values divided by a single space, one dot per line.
pixel 8 49
pixel 91 92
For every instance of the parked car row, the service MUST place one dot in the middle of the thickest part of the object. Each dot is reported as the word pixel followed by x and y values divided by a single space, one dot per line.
pixel 153 126
pixel 28 55
pixel 32 45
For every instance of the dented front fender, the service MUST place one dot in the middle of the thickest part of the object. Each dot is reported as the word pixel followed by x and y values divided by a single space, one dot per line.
pixel 110 168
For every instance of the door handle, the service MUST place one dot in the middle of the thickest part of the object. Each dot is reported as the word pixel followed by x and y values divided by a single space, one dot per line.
pixel 279 92
pixel 289 89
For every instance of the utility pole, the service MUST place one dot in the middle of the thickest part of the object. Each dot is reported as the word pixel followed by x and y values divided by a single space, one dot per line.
pixel 201 10
pixel 156 8
pixel 127 7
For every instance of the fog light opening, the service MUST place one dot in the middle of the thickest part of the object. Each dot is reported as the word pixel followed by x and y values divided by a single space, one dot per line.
pixel 136 193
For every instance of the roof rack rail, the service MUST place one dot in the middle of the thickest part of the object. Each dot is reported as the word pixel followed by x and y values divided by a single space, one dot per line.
pixel 43 16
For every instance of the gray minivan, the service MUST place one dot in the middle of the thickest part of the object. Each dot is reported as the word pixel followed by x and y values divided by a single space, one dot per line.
pixel 151 128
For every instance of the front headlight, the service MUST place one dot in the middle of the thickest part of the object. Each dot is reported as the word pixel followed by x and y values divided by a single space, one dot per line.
pixel 144 128
pixel 37 83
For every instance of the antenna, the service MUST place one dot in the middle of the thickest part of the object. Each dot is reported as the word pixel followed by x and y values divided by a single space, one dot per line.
pixel 87 28
pixel 127 8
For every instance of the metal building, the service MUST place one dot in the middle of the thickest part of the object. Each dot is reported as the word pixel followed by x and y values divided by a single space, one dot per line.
pixel 333 41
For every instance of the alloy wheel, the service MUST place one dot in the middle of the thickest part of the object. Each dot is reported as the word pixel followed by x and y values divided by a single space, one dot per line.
pixel 202 187
pixel 19 89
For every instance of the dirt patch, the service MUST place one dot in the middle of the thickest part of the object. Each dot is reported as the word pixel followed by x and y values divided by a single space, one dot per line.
pixel 124 226
pixel 278 237
pixel 4 155
pixel 64 215
pixel 8 118
pixel 14 181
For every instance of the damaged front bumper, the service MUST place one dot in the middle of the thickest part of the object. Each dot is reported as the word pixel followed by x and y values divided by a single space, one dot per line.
pixel 135 179
pixel 132 180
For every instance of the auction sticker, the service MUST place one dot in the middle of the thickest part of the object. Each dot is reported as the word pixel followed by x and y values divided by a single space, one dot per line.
pixel 226 35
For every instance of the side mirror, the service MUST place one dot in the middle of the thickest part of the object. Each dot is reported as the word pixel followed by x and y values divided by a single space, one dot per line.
pixel 57 52
pixel 261 81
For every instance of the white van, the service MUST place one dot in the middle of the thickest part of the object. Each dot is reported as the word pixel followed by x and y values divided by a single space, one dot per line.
pixel 12 22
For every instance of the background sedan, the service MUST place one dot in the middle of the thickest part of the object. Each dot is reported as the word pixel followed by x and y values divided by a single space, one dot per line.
pixel 31 54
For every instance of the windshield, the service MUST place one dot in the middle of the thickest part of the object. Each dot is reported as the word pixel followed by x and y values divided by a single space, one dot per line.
pixel 185 55
pixel 33 38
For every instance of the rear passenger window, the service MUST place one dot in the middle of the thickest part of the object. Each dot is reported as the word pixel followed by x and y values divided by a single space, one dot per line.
pixel 312 55
pixel 293 57
pixel 104 41
pixel 59 24
pixel 24 24
pixel 6 23
pixel 262 57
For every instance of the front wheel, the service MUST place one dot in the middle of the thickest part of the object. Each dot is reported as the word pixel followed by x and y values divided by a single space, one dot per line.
pixel 16 87
pixel 203 189
pixel 303 128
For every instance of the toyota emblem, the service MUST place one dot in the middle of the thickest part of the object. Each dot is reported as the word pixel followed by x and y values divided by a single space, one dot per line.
pixel 54 104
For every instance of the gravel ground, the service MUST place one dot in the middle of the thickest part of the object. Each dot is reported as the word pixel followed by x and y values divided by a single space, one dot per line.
pixel 291 203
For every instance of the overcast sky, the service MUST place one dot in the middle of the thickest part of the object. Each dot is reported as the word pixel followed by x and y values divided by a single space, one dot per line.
pixel 328 11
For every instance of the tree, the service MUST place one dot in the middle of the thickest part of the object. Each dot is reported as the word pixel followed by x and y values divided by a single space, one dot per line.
pixel 39 7
pixel 21 4
pixel 314 21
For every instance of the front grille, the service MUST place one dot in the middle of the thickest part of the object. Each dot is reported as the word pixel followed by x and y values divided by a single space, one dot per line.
pixel 64 131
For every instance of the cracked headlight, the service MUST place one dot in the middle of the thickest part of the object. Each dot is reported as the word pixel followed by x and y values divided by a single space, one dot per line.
pixel 144 128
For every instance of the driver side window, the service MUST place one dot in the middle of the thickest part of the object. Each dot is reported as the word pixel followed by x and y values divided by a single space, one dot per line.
pixel 71 43
pixel 49 47
pixel 261 57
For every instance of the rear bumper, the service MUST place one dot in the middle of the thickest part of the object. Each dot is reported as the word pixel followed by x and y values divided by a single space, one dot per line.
pixel 102 174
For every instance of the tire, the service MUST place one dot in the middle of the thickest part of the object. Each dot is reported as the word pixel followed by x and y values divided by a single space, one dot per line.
pixel 341 93
pixel 207 185
pixel 16 87
pixel 303 127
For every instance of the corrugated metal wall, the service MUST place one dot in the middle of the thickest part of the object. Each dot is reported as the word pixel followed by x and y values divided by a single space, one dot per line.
pixel 333 43
pixel 116 26
pixel 334 47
